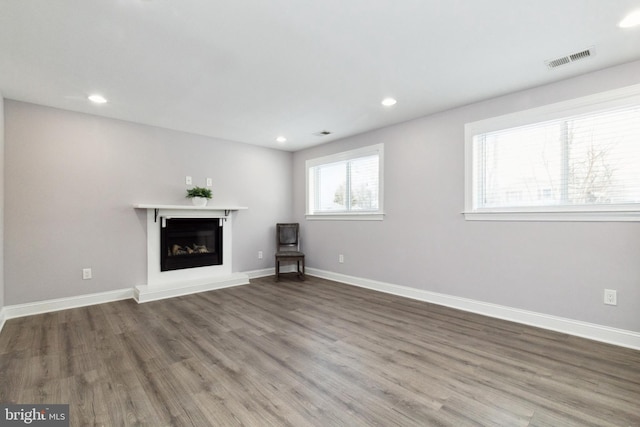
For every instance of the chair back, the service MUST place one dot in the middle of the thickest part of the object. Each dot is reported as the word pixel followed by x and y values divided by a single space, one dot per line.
pixel 288 236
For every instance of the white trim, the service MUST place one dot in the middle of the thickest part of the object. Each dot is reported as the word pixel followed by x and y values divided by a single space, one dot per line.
pixel 266 272
pixel 189 207
pixel 255 274
pixel 47 306
pixel 553 216
pixel 3 318
pixel 156 277
pixel 621 97
pixel 355 216
pixel 620 337
pixel 347 155
pixel 146 293
pixel 378 215
pixel 629 95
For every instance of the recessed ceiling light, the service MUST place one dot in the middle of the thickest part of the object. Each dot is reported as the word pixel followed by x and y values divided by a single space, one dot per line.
pixel 97 99
pixel 388 102
pixel 631 20
pixel 281 139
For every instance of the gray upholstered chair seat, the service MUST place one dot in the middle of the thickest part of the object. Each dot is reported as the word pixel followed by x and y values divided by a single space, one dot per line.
pixel 289 253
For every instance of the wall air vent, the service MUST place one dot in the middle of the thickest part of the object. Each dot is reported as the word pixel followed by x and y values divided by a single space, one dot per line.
pixel 322 133
pixel 568 59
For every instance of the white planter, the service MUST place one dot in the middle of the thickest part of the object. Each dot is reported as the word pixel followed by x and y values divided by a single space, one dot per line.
pixel 199 201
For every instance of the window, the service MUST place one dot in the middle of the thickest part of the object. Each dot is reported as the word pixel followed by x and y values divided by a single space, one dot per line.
pixel 577 160
pixel 346 185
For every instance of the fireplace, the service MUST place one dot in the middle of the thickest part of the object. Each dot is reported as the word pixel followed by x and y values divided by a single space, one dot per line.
pixel 213 245
pixel 190 243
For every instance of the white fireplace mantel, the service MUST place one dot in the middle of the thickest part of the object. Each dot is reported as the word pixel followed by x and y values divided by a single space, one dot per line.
pixel 157 207
pixel 190 207
pixel 166 284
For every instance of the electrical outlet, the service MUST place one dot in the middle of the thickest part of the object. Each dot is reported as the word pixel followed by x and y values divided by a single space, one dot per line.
pixel 341 258
pixel 86 274
pixel 259 254
pixel 209 182
pixel 188 180
pixel 610 297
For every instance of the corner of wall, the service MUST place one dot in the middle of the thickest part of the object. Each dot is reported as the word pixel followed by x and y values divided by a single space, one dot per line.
pixel 1 210
pixel 3 318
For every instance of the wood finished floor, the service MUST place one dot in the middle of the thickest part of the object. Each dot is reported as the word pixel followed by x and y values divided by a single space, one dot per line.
pixel 315 353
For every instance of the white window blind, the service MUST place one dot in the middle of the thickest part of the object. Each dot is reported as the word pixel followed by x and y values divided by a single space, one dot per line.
pixel 582 160
pixel 347 183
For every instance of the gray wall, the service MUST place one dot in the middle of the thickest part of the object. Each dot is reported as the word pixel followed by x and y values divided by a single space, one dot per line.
pixel 71 181
pixel 557 268
pixel 1 201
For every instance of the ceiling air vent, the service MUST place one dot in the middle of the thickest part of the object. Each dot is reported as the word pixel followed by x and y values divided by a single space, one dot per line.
pixel 322 133
pixel 564 60
pixel 580 55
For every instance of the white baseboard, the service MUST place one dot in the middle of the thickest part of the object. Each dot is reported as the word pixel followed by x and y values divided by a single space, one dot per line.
pixel 139 293
pixel 271 271
pixel 255 274
pixel 2 318
pixel 39 307
pixel 620 337
pixel 578 328
pixel 144 293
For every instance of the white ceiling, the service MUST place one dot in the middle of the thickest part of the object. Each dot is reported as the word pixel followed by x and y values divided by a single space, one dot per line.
pixel 251 70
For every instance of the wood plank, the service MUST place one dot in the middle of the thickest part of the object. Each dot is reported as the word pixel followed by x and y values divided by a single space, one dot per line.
pixel 311 353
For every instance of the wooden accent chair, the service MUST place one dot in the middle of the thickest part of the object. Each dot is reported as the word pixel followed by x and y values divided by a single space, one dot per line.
pixel 288 249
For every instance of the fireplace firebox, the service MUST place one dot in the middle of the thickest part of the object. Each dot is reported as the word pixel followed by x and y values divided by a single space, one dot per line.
pixel 190 243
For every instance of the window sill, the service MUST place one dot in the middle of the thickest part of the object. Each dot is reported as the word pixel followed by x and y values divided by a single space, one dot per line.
pixel 567 215
pixel 346 217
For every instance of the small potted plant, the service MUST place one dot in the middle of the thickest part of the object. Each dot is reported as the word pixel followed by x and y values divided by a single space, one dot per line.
pixel 199 195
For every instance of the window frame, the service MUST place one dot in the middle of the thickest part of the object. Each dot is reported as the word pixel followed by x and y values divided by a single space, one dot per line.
pixel 625 96
pixel 377 215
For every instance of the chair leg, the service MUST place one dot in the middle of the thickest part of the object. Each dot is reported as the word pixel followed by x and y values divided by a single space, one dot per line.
pixel 277 270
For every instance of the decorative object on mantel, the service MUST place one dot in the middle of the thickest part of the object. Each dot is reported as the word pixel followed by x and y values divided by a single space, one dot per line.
pixel 199 195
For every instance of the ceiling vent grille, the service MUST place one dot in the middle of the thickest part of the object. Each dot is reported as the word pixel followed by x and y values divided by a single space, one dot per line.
pixel 564 60
pixel 580 55
pixel 322 133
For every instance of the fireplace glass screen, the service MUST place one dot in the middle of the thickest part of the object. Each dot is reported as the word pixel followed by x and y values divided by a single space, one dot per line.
pixel 190 243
